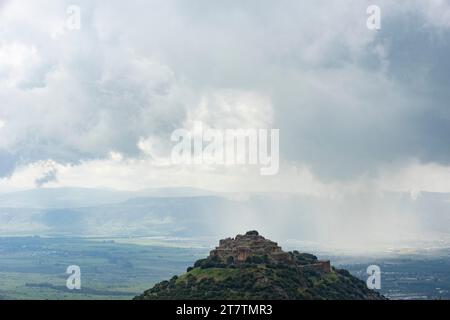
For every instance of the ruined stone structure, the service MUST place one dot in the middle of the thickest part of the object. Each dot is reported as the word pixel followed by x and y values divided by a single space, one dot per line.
pixel 321 265
pixel 237 250
pixel 251 244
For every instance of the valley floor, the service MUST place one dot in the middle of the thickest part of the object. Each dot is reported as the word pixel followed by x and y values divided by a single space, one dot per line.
pixel 35 268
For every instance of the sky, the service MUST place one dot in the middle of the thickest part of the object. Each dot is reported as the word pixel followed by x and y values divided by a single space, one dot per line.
pixel 359 110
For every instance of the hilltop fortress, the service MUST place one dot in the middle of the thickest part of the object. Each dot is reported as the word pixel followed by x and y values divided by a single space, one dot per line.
pixel 252 246
pixel 250 267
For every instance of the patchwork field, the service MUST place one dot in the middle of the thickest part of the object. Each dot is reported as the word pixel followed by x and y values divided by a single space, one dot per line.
pixel 35 268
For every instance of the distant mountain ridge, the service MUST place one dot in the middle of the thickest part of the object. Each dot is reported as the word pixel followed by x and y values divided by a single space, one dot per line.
pixel 190 212
pixel 85 197
pixel 251 267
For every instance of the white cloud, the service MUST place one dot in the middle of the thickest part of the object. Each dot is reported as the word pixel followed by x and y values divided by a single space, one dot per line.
pixel 138 70
pixel 437 12
pixel 223 109
pixel 18 62
pixel 415 177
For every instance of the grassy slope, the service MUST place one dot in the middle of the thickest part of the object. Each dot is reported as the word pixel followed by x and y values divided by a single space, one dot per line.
pixel 260 282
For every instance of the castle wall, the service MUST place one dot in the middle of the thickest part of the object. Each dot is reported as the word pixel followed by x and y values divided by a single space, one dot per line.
pixel 253 244
pixel 321 265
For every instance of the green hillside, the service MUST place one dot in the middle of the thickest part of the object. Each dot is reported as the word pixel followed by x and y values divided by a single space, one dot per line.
pixel 251 267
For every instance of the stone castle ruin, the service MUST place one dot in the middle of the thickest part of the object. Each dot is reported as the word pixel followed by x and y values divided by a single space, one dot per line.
pixel 252 245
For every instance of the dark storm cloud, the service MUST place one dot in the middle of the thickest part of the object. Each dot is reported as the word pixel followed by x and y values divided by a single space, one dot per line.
pixel 346 99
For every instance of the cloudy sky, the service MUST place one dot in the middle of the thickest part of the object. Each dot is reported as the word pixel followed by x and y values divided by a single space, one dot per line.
pixel 358 110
